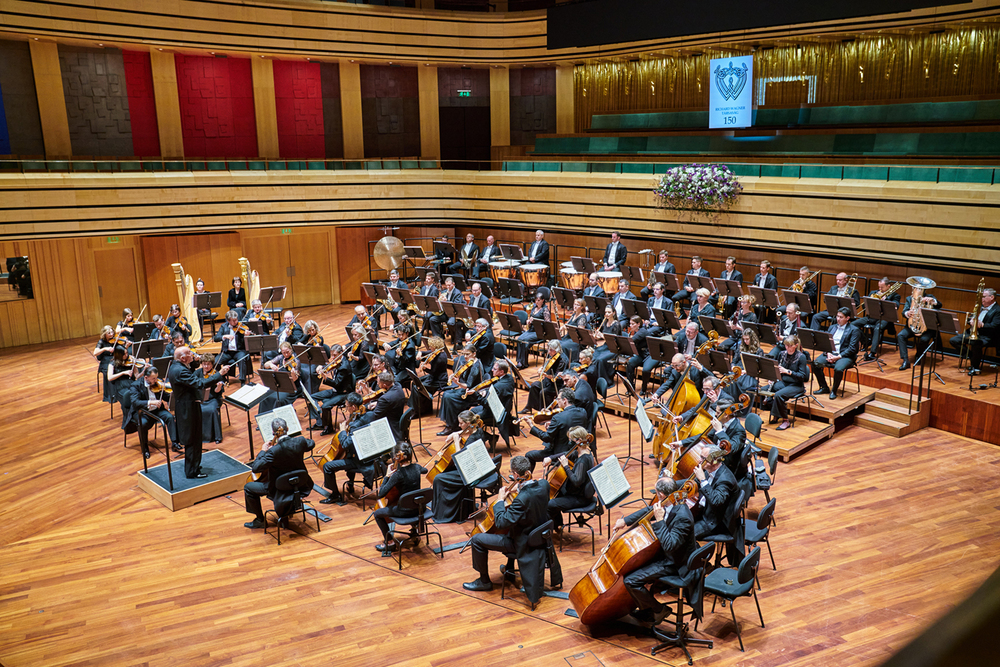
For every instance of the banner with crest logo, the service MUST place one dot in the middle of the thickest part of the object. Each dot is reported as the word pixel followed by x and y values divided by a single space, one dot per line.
pixel 731 95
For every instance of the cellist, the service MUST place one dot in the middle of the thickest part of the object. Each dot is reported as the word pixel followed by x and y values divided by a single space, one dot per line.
pixel 450 491
pixel 403 476
pixel 349 463
pixel 577 490
pixel 682 368
pixel 528 511
pixel 674 529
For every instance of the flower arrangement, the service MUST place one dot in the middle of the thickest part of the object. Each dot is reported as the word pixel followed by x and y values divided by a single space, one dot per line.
pixel 705 188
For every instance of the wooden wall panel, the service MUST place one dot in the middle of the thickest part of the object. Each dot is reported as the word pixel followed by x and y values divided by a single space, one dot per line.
pixel 51 102
pixel 309 254
pixel 159 252
pixel 267 251
pixel 117 284
pixel 352 259
pixel 211 257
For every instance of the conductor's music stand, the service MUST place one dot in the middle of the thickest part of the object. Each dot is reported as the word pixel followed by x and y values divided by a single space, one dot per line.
pixel 253 396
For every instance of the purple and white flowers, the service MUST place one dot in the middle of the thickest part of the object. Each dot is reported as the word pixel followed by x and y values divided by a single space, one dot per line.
pixel 706 188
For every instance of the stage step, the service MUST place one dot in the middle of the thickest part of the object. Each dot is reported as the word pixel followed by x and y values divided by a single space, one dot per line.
pixel 888 414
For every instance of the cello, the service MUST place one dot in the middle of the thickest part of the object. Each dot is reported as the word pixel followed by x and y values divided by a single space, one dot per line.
pixel 452 446
pixel 601 595
pixel 558 475
pixel 488 523
pixel 691 458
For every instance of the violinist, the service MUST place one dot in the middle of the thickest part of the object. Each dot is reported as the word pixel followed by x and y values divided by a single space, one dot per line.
pixel 349 463
pixel 583 393
pixel 485 350
pixel 402 477
pixel 793 365
pixel 282 455
pixel 160 330
pixel 126 323
pixel 233 352
pixel 188 389
pixel 288 332
pixel 369 383
pixel 313 338
pixel 119 374
pixel 702 307
pixel 390 404
pixel 578 318
pixel 543 389
pixel 362 317
pixel 341 382
pixel 745 314
pixel 539 311
pixel 556 434
pixel 452 498
pixel 577 491
pixel 402 359
pixel 176 343
pixel 104 353
pixel 468 373
pixel 147 396
pixel 211 404
pixel 528 511
pixel 504 387
pixel 178 323
pixel 356 352
pixel 258 315
pixel 237 298
pixel 673 526
pixel 435 362
pixel 285 361
pixel 476 300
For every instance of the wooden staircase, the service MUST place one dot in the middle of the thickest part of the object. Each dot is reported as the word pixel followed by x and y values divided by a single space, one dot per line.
pixel 888 413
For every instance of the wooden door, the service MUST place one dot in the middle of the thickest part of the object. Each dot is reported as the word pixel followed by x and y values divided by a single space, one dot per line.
pixel 310 260
pixel 117 286
pixel 268 256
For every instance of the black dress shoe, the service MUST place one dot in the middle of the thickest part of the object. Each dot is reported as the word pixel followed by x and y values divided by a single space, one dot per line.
pixel 386 547
pixel 443 433
pixel 478 585
pixel 256 523
pixel 329 500
pixel 904 365
pixel 974 371
pixel 200 475
pixel 327 431
pixel 821 390
pixel 833 394
pixel 177 447
pixel 784 426
pixel 869 357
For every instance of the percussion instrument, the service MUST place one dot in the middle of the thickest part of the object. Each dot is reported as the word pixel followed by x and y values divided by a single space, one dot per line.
pixel 566 265
pixel 572 279
pixel 609 281
pixel 535 275
pixel 505 269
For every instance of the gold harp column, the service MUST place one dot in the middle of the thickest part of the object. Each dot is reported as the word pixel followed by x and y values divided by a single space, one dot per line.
pixel 350 110
pixel 430 124
pixel 265 107
pixel 499 106
pixel 51 99
pixel 565 113
pixel 168 103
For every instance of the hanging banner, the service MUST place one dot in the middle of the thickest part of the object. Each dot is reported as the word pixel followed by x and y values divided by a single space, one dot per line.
pixel 730 99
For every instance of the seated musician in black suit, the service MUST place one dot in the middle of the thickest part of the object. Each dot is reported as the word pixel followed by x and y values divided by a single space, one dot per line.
pixel 878 326
pixel 717 486
pixel 730 273
pixel 989 329
pixel 674 529
pixel 233 351
pixel 911 313
pixel 528 511
pixel 846 342
pixel 556 434
pixel 686 289
pixel 390 404
pixel 403 476
pixel 840 289
pixel 340 379
pixel 467 254
pixel 284 456
pixel 143 398
pixel 396 307
pixel 793 369
pixel 662 265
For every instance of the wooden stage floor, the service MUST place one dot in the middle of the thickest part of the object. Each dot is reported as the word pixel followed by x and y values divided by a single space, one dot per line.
pixel 876 537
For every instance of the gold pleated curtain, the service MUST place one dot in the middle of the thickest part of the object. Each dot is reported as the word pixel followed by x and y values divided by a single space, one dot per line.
pixel 882 67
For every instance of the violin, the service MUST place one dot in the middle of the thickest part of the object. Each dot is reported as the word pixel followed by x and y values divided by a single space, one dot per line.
pixel 482 385
pixel 160 387
pixel 374 396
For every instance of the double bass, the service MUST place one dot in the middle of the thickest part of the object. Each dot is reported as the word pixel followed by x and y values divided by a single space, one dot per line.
pixel 601 595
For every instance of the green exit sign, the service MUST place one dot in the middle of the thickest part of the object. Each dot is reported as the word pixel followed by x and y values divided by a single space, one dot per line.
pixel 114 239
pixel 465 93
pixel 286 230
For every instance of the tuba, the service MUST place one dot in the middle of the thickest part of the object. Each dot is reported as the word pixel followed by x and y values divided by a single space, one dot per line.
pixel 251 281
pixel 920 285
pixel 185 297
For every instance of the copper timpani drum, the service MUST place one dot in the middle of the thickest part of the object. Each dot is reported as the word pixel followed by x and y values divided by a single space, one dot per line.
pixel 566 265
pixel 609 281
pixel 504 269
pixel 573 279
pixel 535 275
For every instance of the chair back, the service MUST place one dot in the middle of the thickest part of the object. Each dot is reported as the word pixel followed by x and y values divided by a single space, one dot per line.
pixel 523 316
pixel 752 424
pixel 602 387
pixel 291 482
pixel 748 568
pixel 404 423
pixel 764 518
pixel 499 350
pixel 595 408
pixel 700 556
pixel 540 536
pixel 772 461
pixel 415 500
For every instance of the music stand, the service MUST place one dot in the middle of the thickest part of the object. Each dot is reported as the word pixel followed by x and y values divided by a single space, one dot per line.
pixel 765 332
pixel 420 273
pixel 671 282
pixel 667 319
pixel 596 304
pixel 480 313
pixel 142 330
pixel 701 282
pixel 942 323
pixel 717 325
pixel 545 330
pixel 633 395
pixel 716 361
pixel 835 303
pixel 767 298
pixel 761 367
pixel 731 289
pixel 149 349
pixel 255 326
pixel 417 386
pixel 620 346
pixel 162 364
pixel 885 311
pixel 800 299
pixel 564 297
pixel 245 399
pixel 661 349
pixel 260 344
pixel 428 304
pixel 583 264
pixel 633 274
pixel 512 323
pixel 401 295
pixel 513 288
pixel 636 307
pixel 817 341
pixel 511 251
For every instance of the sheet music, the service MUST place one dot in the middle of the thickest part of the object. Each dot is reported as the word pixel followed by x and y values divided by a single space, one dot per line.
pixel 248 394
pixel 474 463
pixel 496 407
pixel 286 412
pixel 645 425
pixel 609 481
pixel 374 439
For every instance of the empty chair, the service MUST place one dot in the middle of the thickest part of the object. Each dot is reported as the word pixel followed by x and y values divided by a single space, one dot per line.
pixel 420 524
pixel 730 584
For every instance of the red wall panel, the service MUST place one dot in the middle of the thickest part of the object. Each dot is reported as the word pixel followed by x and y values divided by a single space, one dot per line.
pixel 298 92
pixel 141 103
pixel 216 100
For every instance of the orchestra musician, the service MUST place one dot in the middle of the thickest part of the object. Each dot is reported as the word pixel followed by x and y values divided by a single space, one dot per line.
pixel 730 273
pixel 313 338
pixel 176 342
pixel 749 343
pixel 233 351
pixel 176 322
pixel 476 300
pixel 396 283
pixel 578 489
pixel 188 389
pixel 546 385
pixel 725 426
pixel 608 325
pixel 765 280
pixel 155 404
pixel 702 307
pixel 989 329
pixel 276 458
pixel 846 342
pixel 878 326
pixel 356 352
pixel 453 400
pixel 681 368
pixel 450 294
pixel 593 287
pixel 120 374
pixel 443 254
pixel 430 290
pixel 452 498
pixel 556 434
pixel 341 381
pixel 369 383
pixel 237 298
pixel 211 403
pixel 402 477
pixel 258 315
pixel 402 359
pixel 504 387
pixel 349 462
pixel 539 311
pixel 690 339
pixel 203 313
pixel 436 378
pixel 615 254
pixel 686 289
pixel 809 288
pixel 490 253
pixel 911 309
pixel 745 314
pixel 578 318
pixel 641 358
pixel 662 265
pixel 789 325
pixel 485 344
pixel 365 319
pixel 528 511
pixel 658 300
pixel 104 353
pixel 289 332
pixel 583 393
pixel 840 289
pixel 674 530
pixel 125 326
pixel 793 366
pixel 717 487
pixel 285 361
pixel 618 301
pixel 390 405
pixel 468 254
pixel 160 330
pixel 538 253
